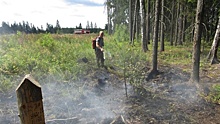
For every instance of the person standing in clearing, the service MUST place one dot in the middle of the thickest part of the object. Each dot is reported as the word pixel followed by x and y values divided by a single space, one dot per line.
pixel 100 49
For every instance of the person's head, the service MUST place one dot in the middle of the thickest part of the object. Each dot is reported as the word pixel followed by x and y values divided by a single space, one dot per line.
pixel 101 33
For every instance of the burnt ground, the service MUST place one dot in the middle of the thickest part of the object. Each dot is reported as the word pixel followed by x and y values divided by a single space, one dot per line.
pixel 99 98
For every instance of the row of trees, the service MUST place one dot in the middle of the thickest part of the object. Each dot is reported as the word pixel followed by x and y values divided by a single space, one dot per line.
pixel 177 18
pixel 176 21
pixel 22 27
pixel 30 28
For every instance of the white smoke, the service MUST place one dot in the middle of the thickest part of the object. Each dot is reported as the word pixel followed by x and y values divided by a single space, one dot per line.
pixel 81 101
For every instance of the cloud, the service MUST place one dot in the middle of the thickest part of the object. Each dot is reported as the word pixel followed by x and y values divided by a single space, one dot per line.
pixel 39 12
pixel 87 2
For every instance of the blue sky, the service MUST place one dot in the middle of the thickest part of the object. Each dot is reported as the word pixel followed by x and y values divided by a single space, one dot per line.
pixel 39 12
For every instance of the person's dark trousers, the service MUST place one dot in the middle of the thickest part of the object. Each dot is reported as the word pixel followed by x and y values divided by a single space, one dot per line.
pixel 100 58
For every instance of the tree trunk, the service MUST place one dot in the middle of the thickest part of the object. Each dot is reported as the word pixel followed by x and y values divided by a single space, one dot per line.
pixel 171 24
pixel 134 22
pixel 143 26
pixel 192 32
pixel 176 24
pixel 180 24
pixel 154 70
pixel 148 22
pixel 162 27
pixel 213 51
pixel 130 20
pixel 197 42
pixel 138 21
pixel 109 19
pixel 184 25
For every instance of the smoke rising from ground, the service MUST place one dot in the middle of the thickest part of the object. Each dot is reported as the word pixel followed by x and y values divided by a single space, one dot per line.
pixel 84 101
pixel 101 101
pixel 176 86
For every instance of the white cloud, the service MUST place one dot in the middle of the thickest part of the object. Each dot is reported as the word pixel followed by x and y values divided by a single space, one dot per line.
pixel 40 12
pixel 98 1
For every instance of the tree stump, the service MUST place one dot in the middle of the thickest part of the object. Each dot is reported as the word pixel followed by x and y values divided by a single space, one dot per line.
pixel 29 98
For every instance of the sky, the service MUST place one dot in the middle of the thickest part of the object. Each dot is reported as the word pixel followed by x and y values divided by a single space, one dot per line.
pixel 69 13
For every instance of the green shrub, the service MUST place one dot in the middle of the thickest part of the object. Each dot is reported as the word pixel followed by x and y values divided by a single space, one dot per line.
pixel 47 41
pixel 214 95
pixel 121 33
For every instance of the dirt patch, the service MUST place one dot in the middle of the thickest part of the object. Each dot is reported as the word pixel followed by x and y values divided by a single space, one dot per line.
pixel 100 98
pixel 169 98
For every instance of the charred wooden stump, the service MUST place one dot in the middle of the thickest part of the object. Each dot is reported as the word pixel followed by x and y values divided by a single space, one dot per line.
pixel 29 98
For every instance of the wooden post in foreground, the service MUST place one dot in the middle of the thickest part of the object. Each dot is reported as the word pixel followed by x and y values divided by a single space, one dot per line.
pixel 29 98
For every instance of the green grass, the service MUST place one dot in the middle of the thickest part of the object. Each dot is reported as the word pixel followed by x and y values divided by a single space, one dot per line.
pixel 214 95
pixel 46 55
pixel 42 55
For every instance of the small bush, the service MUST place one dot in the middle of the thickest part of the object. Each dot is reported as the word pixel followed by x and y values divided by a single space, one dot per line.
pixel 121 33
pixel 214 95
pixel 47 41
